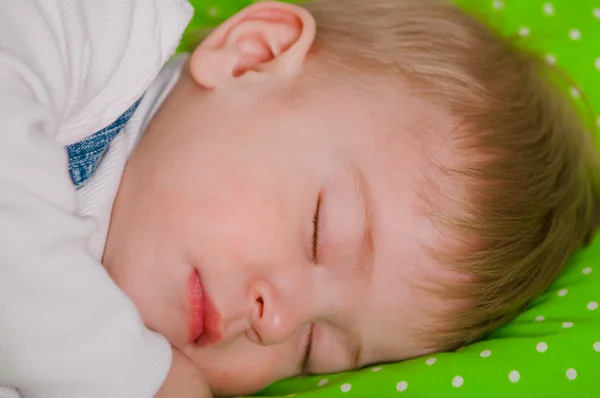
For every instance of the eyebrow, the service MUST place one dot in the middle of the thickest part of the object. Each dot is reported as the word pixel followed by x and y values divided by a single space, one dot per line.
pixel 365 248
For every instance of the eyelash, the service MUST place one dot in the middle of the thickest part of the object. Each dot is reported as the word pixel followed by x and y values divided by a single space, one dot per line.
pixel 315 236
pixel 306 360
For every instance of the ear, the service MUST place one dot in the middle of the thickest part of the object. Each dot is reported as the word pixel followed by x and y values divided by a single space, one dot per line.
pixel 266 37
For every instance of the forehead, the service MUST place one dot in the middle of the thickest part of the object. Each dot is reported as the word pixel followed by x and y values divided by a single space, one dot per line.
pixel 397 164
pixel 392 136
pixel 405 312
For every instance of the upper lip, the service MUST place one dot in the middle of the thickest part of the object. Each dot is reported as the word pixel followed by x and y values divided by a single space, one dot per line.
pixel 205 318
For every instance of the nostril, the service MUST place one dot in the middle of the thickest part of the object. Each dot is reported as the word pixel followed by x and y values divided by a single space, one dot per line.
pixel 261 307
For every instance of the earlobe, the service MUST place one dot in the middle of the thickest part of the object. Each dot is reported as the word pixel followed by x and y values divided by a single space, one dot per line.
pixel 266 37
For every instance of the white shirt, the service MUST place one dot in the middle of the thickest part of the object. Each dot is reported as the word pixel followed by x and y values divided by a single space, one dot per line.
pixel 68 68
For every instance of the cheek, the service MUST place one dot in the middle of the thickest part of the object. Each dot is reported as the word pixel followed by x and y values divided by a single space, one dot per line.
pixel 157 290
pixel 243 367
pixel 226 221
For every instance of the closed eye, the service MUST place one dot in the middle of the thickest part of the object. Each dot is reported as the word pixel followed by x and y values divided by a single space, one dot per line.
pixel 307 350
pixel 315 236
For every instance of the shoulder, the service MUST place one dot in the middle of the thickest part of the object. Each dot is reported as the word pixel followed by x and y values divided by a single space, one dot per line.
pixel 90 59
pixel 129 41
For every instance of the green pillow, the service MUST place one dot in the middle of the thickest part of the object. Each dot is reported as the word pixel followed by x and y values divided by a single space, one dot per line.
pixel 553 348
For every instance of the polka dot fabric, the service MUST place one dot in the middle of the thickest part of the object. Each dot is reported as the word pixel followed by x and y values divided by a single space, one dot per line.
pixel 553 348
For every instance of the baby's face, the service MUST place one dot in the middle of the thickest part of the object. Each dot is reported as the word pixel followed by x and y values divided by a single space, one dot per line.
pixel 296 206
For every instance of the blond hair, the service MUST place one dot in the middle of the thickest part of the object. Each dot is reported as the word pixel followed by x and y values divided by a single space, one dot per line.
pixel 527 189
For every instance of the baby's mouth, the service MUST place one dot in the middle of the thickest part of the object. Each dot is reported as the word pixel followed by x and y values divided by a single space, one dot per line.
pixel 205 320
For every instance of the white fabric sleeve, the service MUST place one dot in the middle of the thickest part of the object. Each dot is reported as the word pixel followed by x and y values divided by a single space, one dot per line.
pixel 7 392
pixel 66 330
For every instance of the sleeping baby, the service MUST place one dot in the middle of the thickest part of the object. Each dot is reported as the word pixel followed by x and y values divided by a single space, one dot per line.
pixel 314 189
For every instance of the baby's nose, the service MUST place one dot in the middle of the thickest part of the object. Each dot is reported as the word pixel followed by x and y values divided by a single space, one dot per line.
pixel 275 316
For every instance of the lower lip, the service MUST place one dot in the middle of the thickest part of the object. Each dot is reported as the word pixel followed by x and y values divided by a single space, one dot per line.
pixel 205 320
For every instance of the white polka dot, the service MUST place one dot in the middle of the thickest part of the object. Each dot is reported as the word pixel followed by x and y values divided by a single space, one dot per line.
pixel 213 11
pixel 598 63
pixel 323 382
pixel 514 376
pixel 291 395
pixel 542 347
pixel 551 59
pixel 567 325
pixel 562 292
pixel 377 369
pixel 346 387
pixel 458 382
pixel 498 4
pixel 524 31
pixel 430 361
pixel 597 346
pixel 402 386
pixel 485 354
pixel 597 12
pixel 571 374
pixel 575 34
pixel 588 270
pixel 592 306
pixel 575 92
pixel 548 9
pixel 540 318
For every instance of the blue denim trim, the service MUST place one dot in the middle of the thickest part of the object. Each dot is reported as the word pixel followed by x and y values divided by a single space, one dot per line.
pixel 85 155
